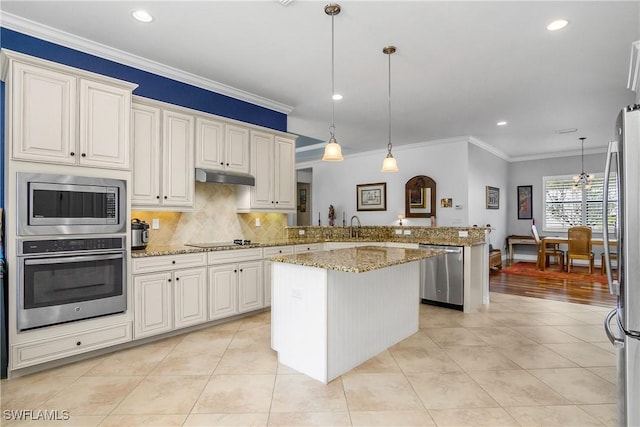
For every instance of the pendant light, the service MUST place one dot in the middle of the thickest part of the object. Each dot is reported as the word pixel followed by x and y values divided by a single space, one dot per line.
pixel 389 164
pixel 332 151
pixel 583 179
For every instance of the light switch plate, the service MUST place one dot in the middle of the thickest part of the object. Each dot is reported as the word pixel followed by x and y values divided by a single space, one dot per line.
pixel 398 231
pixel 301 232
pixel 257 222
pixel 407 232
pixel 155 224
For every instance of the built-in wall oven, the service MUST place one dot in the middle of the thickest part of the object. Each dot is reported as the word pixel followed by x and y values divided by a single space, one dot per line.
pixel 63 279
pixel 66 204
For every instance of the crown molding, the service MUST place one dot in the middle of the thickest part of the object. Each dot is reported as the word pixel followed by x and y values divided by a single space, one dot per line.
pixel 556 154
pixel 53 35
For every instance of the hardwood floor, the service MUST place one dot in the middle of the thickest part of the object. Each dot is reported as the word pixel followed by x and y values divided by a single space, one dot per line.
pixel 576 291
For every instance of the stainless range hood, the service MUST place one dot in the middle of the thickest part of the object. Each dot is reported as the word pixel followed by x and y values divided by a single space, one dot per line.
pixel 205 175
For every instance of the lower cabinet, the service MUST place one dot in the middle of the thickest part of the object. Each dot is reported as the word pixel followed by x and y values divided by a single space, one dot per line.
pixel 169 292
pixel 169 300
pixel 234 288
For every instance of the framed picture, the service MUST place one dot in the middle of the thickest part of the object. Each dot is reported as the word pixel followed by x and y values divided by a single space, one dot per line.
pixel 371 197
pixel 417 198
pixel 493 197
pixel 525 210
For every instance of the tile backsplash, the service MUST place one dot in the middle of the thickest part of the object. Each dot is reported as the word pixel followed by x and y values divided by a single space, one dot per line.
pixel 214 219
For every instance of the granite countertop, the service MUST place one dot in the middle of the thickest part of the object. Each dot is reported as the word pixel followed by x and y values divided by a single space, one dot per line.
pixel 357 260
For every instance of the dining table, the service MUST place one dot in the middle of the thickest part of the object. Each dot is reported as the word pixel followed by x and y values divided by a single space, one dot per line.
pixel 550 240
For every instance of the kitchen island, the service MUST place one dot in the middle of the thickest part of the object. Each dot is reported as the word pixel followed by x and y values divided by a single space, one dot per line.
pixel 333 310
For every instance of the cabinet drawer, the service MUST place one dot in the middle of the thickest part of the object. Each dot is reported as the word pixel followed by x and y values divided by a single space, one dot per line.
pixel 234 255
pixel 168 262
pixel 46 350
pixel 311 247
pixel 278 250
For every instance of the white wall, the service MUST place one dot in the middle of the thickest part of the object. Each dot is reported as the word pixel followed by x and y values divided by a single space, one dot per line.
pixel 487 169
pixel 334 183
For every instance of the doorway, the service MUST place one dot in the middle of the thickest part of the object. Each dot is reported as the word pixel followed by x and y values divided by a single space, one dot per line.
pixel 303 197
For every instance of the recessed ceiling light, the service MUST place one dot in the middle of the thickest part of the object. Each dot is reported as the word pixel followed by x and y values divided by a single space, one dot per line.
pixel 558 24
pixel 142 15
pixel 336 97
pixel 501 123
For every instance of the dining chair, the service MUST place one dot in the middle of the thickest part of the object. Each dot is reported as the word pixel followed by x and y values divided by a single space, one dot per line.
pixel 551 250
pixel 579 246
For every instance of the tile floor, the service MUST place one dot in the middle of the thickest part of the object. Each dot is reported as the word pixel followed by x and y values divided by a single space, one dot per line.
pixel 522 361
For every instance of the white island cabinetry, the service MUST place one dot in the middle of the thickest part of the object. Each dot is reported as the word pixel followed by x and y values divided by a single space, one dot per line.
pixel 333 310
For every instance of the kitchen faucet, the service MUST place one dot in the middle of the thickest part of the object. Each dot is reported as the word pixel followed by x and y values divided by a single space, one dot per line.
pixel 357 232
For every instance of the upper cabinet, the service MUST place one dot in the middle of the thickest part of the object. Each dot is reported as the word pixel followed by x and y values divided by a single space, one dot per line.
pixel 221 146
pixel 63 115
pixel 273 166
pixel 163 164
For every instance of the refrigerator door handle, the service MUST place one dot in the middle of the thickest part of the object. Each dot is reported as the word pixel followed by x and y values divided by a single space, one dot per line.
pixel 617 342
pixel 614 286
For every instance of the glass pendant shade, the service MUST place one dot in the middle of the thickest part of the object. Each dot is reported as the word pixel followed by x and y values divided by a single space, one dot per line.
pixel 389 164
pixel 332 151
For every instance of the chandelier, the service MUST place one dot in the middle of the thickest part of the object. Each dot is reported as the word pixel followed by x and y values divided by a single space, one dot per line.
pixel 584 179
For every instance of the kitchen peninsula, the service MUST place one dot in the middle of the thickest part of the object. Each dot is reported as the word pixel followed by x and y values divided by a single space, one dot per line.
pixel 333 310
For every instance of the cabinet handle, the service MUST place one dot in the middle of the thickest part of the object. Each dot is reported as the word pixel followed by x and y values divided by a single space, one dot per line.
pixel 221 163
pixel 169 280
pixel 157 197
pixel 84 154
pixel 165 197
pixel 276 202
pixel 240 270
pixel 235 271
pixel 227 164
pixel 72 154
pixel 79 343
pixel 173 262
pixel 177 278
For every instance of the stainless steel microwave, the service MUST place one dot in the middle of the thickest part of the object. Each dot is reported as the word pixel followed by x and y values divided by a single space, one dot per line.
pixel 66 204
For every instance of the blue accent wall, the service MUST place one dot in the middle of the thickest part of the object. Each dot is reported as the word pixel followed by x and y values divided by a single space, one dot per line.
pixel 149 86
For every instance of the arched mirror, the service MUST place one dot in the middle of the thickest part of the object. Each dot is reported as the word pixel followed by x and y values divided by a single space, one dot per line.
pixel 420 197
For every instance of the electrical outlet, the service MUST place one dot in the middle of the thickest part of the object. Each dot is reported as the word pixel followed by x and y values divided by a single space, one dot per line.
pixel 407 232
pixel 398 231
pixel 257 222
pixel 155 224
pixel 463 233
pixel 300 232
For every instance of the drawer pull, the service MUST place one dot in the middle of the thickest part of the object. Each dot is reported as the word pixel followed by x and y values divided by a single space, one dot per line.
pixel 79 343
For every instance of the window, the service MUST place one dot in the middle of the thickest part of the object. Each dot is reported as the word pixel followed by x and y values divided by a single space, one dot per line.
pixel 566 207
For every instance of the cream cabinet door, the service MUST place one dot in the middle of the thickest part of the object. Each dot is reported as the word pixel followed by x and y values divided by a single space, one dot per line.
pixel 262 194
pixel 42 114
pixel 209 145
pixel 236 149
pixel 152 302
pixel 145 138
pixel 178 184
pixel 105 112
pixel 190 297
pixel 267 283
pixel 250 286
pixel 285 173
pixel 223 291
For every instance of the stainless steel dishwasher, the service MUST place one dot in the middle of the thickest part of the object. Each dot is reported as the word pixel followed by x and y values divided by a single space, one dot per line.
pixel 442 277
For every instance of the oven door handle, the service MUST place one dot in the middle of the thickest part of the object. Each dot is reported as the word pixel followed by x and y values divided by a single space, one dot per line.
pixel 63 260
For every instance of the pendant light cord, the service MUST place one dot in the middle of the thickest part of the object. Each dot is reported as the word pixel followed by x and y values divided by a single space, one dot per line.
pixel 389 145
pixel 332 128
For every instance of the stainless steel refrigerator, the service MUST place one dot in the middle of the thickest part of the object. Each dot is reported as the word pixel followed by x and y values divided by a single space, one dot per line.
pixel 622 325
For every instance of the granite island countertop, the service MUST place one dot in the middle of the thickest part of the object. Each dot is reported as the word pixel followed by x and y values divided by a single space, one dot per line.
pixel 357 260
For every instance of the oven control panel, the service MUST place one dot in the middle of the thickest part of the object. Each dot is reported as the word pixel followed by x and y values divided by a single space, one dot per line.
pixel 70 245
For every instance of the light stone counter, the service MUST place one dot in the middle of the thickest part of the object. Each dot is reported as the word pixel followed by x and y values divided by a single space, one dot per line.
pixel 357 260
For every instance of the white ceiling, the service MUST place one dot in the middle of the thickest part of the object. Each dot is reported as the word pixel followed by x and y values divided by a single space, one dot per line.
pixel 460 66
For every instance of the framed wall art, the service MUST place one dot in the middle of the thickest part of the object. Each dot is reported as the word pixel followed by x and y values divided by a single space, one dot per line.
pixel 371 197
pixel 493 197
pixel 525 209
